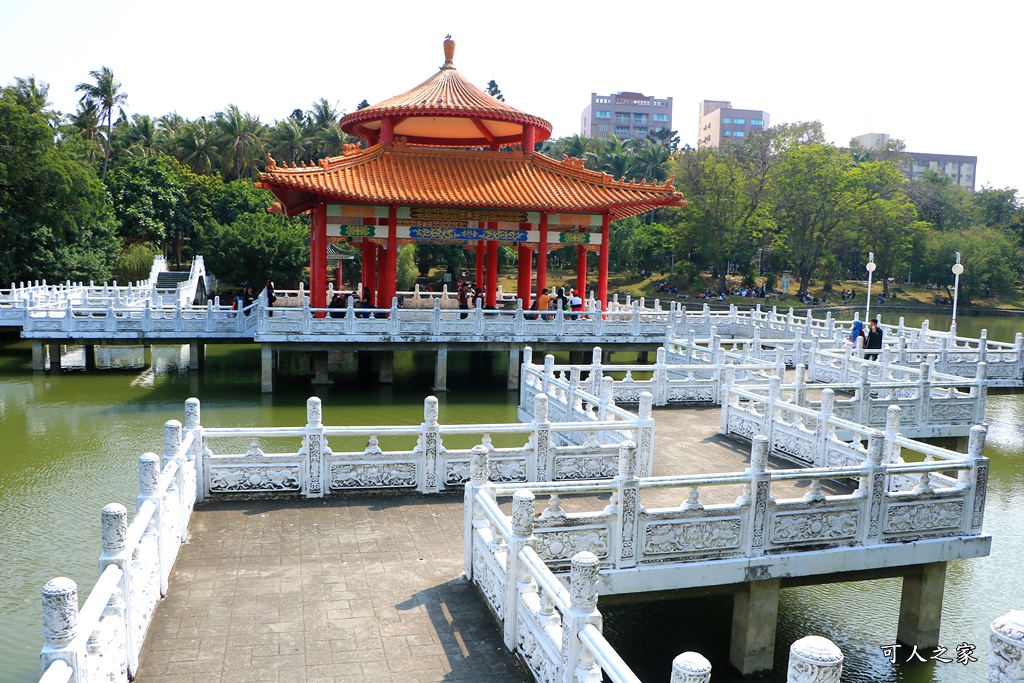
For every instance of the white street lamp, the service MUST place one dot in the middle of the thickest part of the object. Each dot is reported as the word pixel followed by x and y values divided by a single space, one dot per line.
pixel 958 269
pixel 870 267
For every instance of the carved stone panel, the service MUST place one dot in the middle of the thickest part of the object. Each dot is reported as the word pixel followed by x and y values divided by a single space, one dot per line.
pixel 559 545
pixel 691 394
pixel 913 517
pixel 255 478
pixel 805 527
pixel 744 426
pixel 689 536
pixel 585 467
pixel 373 475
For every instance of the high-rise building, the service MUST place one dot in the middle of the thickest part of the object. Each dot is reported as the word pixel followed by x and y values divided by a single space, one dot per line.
pixel 719 121
pixel 962 170
pixel 629 115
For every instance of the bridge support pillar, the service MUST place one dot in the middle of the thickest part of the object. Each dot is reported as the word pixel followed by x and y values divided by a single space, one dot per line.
pixel 196 355
pixel 38 356
pixel 641 357
pixel 921 605
pixel 513 367
pixel 266 369
pixel 755 612
pixel 90 356
pixel 54 356
pixel 319 362
pixel 441 369
pixel 387 367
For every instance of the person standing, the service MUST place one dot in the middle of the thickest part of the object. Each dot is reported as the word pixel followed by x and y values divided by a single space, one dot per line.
pixel 463 300
pixel 543 302
pixel 874 340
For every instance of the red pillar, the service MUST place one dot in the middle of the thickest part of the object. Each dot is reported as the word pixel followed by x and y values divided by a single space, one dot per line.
pixel 581 269
pixel 391 258
pixel 492 273
pixel 529 139
pixel 542 254
pixel 602 262
pixel 480 247
pixel 525 275
pixel 369 275
pixel 318 256
pixel 378 276
pixel 387 130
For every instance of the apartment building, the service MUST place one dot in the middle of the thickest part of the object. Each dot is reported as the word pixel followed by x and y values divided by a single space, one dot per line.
pixel 629 115
pixel 719 122
pixel 962 170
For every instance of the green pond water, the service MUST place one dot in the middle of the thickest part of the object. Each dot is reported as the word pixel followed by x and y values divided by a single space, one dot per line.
pixel 70 443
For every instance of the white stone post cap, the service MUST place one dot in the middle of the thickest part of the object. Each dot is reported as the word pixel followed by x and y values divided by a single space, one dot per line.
pixel 815 650
pixel 1010 627
pixel 691 667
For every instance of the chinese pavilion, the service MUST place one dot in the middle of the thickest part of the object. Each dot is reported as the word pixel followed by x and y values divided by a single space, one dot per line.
pixel 448 163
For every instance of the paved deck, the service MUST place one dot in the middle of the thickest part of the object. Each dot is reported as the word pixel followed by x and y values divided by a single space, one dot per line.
pixel 362 589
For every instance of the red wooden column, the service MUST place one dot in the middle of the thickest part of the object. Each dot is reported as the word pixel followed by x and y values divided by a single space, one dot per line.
pixel 378 293
pixel 369 270
pixel 480 251
pixel 602 262
pixel 542 254
pixel 391 258
pixel 524 278
pixel 581 269
pixel 318 256
pixel 492 271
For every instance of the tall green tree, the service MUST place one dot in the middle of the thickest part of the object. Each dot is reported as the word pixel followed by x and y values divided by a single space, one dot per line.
pixel 105 92
pixel 256 247
pixel 240 142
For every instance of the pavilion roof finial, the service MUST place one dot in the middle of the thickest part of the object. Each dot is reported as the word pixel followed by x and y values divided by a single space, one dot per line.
pixel 449 52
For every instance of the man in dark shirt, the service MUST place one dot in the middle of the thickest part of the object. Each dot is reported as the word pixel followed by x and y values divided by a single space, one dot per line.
pixel 874 341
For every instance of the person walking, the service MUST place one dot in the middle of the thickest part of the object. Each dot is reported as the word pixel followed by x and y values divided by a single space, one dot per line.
pixel 874 340
pixel 543 302
pixel 856 333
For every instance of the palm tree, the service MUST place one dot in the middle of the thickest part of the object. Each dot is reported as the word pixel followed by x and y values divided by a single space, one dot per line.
pixel 87 121
pixel 289 141
pixel 323 113
pixel 32 95
pixel 577 146
pixel 195 146
pixel 141 136
pixel 106 93
pixel 650 162
pixel 240 141
pixel 612 156
pixel 331 140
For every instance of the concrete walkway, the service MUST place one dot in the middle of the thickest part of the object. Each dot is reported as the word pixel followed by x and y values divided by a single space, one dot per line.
pixel 363 589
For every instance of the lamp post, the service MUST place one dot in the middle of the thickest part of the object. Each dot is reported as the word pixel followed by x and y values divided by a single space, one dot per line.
pixel 870 267
pixel 958 269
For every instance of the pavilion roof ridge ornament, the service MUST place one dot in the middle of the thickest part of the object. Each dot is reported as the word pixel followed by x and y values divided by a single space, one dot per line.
pixel 449 52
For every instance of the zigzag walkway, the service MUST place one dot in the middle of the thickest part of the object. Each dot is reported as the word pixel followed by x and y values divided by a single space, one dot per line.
pixel 359 588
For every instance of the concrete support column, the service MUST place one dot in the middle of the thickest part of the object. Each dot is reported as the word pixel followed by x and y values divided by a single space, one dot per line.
pixel 90 356
pixel 318 359
pixel 513 367
pixel 387 367
pixel 147 355
pixel 266 369
pixel 441 369
pixel 54 350
pixel 196 355
pixel 641 357
pixel 921 605
pixel 755 614
pixel 38 355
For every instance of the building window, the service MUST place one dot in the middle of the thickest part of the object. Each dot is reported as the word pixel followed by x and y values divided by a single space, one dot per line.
pixel 622 130
pixel 641 130
pixel 622 118
pixel 602 126
pixel 738 134
pixel 757 122
pixel 726 120
pixel 639 118
pixel 739 122
pixel 663 118
pixel 602 114
pixel 726 133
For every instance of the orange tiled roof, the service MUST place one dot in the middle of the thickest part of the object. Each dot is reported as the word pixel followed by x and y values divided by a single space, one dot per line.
pixel 430 176
pixel 447 110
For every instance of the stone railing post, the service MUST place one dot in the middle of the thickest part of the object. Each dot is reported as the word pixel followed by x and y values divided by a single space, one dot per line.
pixel 549 372
pixel 760 492
pixel 314 444
pixel 172 453
pixel 627 488
pixel 571 399
pixel 542 453
pixel 1006 648
pixel 524 383
pixel 800 385
pixel 660 378
pixel 149 481
pixel 1018 352
pixel 726 380
pixel 872 491
pixel 822 430
pixel 473 517
pixel 862 410
pixel 890 449
pixel 976 479
pixel 583 578
pixel 691 340
pixel 645 436
pixel 596 370
pixel 924 394
pixel 60 627
pixel 814 659
pixel 114 525
pixel 768 423
pixel 523 502
pixel 691 667
pixel 607 396
pixel 198 450
pixel 980 393
pixel 433 477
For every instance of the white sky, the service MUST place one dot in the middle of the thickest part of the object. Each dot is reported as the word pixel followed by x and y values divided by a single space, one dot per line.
pixel 943 76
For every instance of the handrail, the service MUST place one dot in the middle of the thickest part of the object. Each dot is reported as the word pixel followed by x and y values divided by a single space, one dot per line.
pixel 605 655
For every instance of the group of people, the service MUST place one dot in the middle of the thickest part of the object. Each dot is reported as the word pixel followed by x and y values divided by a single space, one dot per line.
pixel 746 292
pixel 571 302
pixel 871 340
pixel 340 301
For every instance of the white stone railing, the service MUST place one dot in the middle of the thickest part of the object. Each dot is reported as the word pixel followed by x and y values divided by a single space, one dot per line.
pixel 413 457
pixel 104 639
